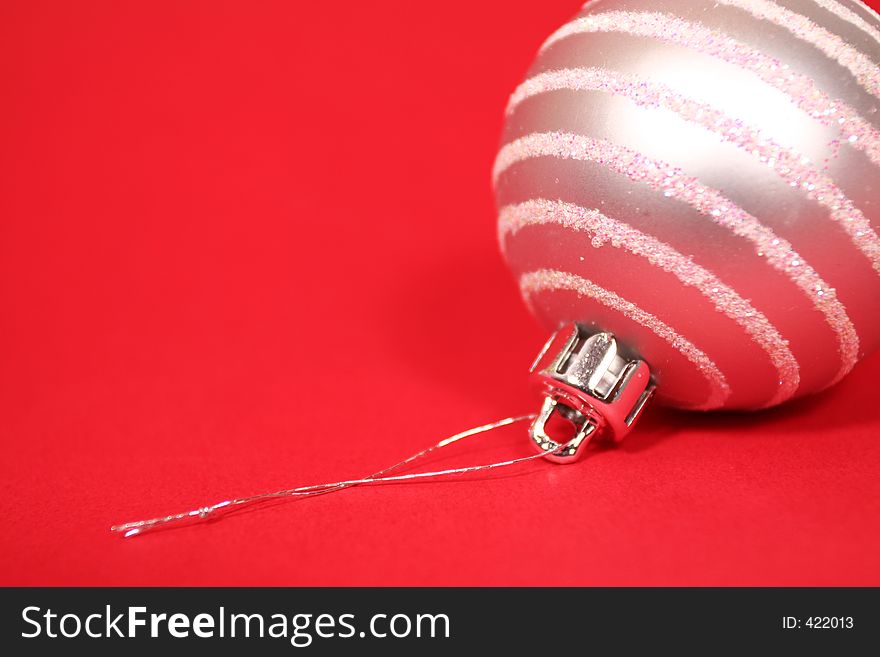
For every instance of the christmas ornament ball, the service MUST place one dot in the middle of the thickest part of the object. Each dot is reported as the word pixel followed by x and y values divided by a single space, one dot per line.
pixel 700 177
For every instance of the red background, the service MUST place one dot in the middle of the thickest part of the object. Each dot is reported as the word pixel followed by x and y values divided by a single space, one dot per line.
pixel 246 246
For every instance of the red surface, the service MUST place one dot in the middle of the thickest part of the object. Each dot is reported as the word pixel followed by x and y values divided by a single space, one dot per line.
pixel 251 245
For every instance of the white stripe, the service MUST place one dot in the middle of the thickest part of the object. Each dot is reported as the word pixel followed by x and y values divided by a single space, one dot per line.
pixel 851 17
pixel 835 48
pixel 800 89
pixel 674 183
pixel 790 165
pixel 725 299
pixel 548 280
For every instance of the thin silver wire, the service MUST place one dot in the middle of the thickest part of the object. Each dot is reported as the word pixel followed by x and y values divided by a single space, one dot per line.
pixel 137 527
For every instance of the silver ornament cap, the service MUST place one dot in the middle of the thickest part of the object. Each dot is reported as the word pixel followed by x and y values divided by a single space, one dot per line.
pixel 588 381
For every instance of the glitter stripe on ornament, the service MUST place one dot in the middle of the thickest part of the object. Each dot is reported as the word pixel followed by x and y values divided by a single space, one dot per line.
pixel 603 230
pixel 549 280
pixel 806 30
pixel 849 16
pixel 799 88
pixel 862 6
pixel 674 183
pixel 789 164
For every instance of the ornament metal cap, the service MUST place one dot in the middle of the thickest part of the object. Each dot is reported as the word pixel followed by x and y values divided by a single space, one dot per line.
pixel 591 384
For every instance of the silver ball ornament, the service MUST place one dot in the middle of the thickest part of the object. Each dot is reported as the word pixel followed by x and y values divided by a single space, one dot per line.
pixel 700 177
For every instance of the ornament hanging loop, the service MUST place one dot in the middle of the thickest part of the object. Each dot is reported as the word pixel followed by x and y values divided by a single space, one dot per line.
pixel 585 427
pixel 588 381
